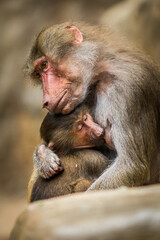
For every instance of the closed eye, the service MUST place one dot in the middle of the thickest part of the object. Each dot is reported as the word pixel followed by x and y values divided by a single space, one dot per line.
pixel 85 117
pixel 79 127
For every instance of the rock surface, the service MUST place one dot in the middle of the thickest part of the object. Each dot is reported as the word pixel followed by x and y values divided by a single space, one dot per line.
pixel 139 21
pixel 115 214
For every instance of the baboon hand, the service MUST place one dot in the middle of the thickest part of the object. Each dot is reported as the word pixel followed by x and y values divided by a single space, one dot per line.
pixel 46 162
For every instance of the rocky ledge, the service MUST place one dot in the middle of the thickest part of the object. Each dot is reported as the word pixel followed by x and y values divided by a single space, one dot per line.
pixel 128 214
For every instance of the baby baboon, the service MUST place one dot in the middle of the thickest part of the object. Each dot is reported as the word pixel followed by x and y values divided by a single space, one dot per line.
pixel 66 135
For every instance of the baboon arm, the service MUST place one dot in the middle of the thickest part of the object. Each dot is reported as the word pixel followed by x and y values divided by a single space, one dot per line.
pixel 132 165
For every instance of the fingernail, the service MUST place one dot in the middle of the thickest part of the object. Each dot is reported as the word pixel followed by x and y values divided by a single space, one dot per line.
pixel 58 162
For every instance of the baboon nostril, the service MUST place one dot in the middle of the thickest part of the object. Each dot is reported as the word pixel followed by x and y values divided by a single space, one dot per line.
pixel 45 104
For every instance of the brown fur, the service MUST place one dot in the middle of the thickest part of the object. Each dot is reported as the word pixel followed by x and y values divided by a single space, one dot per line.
pixel 81 168
pixel 117 81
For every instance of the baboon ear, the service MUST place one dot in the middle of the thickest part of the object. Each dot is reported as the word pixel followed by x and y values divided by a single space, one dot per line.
pixel 78 37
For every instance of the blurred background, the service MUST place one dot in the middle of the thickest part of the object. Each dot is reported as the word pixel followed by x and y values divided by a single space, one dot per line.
pixel 20 101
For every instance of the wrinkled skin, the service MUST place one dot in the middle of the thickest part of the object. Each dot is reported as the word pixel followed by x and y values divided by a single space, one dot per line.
pixel 87 64
pixel 51 165
pixel 58 96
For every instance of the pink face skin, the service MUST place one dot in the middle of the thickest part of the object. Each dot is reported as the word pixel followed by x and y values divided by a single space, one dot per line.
pixel 60 92
pixel 87 133
pixel 62 83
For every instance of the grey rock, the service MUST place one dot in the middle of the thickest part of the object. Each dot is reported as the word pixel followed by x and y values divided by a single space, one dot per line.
pixel 128 214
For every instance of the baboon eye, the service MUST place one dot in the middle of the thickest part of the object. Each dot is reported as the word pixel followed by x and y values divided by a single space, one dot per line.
pixel 44 65
pixel 79 127
pixel 36 75
pixel 85 117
